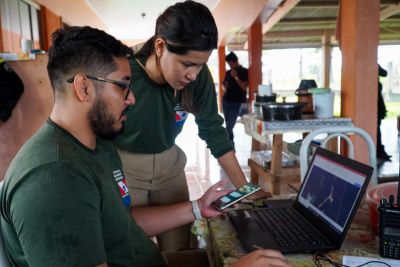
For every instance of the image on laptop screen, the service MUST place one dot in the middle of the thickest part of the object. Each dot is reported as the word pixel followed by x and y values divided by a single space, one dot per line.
pixel 330 191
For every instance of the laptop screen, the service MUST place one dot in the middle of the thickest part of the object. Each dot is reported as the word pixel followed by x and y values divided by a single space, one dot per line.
pixel 330 191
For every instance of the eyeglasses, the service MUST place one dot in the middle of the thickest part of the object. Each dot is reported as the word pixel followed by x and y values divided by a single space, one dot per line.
pixel 121 84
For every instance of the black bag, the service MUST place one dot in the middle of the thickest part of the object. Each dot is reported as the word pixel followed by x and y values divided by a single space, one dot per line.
pixel 11 89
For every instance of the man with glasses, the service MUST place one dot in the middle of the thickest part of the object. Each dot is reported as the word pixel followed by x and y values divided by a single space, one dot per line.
pixel 64 199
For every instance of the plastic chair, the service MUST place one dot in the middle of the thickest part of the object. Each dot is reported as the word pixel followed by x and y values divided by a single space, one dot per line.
pixel 3 254
pixel 342 132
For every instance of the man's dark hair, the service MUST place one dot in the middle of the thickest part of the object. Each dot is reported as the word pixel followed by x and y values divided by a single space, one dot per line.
pixel 82 49
pixel 231 57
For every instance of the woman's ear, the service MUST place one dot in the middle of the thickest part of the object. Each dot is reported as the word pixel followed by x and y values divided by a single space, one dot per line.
pixel 81 87
pixel 159 46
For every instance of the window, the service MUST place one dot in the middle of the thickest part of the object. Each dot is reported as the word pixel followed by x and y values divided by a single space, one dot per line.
pixel 19 20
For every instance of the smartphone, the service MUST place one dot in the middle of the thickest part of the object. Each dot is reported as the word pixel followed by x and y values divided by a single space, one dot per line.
pixel 235 196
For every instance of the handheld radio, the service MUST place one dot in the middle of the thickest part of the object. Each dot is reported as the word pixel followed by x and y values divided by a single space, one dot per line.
pixel 389 227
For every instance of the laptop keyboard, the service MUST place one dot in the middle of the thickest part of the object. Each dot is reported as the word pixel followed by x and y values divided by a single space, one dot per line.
pixel 287 227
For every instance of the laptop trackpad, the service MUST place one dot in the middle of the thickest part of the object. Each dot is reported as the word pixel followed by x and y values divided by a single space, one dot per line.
pixel 254 236
pixel 256 241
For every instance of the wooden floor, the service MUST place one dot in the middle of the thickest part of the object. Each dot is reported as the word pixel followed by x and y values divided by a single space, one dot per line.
pixel 203 170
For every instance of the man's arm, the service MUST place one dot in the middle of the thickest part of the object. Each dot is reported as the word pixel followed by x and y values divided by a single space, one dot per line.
pixel 156 220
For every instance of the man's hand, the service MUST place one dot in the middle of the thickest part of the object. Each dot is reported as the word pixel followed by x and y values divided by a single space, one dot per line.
pixel 213 193
pixel 262 258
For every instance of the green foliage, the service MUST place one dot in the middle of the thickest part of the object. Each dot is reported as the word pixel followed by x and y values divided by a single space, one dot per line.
pixel 393 109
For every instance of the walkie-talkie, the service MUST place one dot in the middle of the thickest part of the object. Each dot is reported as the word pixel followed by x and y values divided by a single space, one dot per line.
pixel 389 227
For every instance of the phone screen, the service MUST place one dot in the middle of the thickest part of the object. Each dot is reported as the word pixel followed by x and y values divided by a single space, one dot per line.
pixel 235 196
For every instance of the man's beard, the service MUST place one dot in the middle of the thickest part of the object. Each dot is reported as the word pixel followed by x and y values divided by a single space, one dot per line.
pixel 102 122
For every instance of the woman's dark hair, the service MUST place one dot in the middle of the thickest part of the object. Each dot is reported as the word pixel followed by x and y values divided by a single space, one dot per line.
pixel 184 26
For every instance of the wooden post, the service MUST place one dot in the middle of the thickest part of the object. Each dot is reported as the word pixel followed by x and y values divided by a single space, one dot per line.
pixel 221 71
pixel 255 53
pixel 359 37
pixel 326 55
pixel 49 23
pixel 1 35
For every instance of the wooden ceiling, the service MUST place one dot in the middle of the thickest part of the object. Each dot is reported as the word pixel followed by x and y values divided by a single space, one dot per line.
pixel 295 24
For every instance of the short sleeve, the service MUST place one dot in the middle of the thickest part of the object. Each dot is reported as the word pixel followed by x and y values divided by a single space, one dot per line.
pixel 56 214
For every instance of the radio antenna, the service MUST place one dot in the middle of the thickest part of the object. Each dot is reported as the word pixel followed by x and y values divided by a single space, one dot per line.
pixel 398 185
pixel 398 191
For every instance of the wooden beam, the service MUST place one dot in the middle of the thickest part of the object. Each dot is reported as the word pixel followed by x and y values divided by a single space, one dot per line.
pixel 389 11
pixel 316 20
pixel 314 3
pixel 241 15
pixel 300 33
pixel 278 14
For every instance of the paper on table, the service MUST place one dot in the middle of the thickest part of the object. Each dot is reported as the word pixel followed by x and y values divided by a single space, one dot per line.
pixel 356 261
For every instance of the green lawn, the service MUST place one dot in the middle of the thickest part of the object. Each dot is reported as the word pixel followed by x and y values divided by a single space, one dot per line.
pixel 393 109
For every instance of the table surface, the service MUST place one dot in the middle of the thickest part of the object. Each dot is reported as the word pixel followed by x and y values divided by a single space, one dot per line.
pixel 261 130
pixel 224 248
pixel 304 125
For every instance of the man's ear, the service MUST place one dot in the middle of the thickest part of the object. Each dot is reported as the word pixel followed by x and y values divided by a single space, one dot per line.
pixel 81 87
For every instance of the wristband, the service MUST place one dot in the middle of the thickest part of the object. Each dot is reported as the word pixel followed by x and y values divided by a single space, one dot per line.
pixel 196 210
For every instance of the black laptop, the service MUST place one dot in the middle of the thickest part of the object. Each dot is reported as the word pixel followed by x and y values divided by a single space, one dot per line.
pixel 319 217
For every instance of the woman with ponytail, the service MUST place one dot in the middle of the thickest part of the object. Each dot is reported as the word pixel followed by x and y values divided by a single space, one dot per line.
pixel 170 79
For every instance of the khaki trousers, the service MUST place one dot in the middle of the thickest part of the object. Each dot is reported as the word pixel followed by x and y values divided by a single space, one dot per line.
pixel 159 179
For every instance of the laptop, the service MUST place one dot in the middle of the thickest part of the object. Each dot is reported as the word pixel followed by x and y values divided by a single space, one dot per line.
pixel 318 219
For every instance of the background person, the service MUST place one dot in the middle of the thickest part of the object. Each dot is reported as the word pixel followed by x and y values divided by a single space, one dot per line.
pixel 235 85
pixel 64 202
pixel 171 79
pixel 380 148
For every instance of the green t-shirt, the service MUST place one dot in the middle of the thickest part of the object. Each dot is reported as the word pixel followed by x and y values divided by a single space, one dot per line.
pixel 157 117
pixel 62 205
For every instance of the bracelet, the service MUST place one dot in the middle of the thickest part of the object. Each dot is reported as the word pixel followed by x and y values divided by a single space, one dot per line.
pixel 196 210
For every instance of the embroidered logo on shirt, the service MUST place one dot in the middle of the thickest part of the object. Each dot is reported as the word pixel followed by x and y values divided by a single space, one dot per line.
pixel 180 115
pixel 123 189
